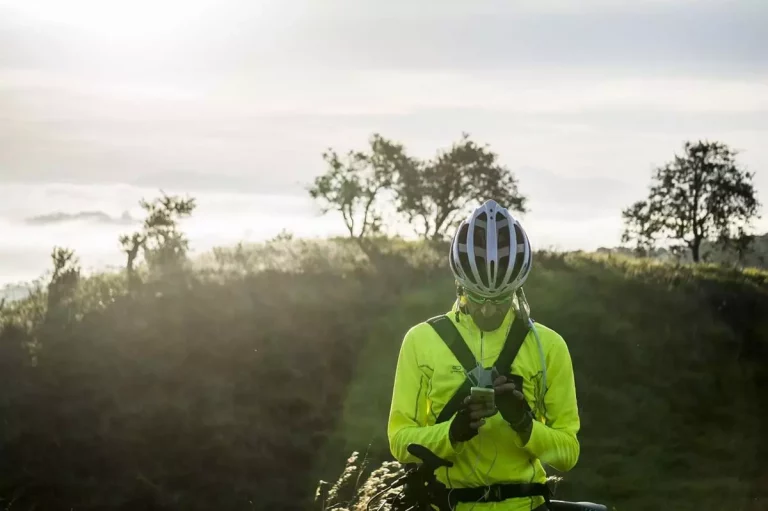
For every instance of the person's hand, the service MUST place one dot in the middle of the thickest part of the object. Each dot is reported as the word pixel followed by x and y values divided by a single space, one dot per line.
pixel 511 404
pixel 469 419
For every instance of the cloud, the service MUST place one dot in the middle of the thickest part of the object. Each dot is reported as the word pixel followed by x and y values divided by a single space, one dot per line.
pixel 48 97
pixel 556 196
pixel 11 292
pixel 90 216
pixel 246 100
pixel 221 219
pixel 110 206
pixel 577 126
pixel 222 99
pixel 635 38
pixel 705 37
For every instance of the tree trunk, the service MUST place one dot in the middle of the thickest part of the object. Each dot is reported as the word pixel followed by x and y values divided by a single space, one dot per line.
pixel 695 249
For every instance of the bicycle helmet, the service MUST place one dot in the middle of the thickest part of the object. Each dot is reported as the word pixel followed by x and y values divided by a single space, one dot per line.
pixel 490 253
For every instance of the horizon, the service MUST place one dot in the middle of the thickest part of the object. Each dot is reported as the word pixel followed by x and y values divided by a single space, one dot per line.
pixel 233 103
pixel 114 210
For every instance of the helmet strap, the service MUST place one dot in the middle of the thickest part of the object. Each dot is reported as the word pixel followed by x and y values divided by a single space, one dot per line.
pixel 460 308
pixel 521 305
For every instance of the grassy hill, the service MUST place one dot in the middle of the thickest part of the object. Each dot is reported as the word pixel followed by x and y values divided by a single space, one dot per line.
pixel 754 256
pixel 669 366
pixel 239 384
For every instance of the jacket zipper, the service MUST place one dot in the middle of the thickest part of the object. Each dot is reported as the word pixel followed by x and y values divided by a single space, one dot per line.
pixel 482 349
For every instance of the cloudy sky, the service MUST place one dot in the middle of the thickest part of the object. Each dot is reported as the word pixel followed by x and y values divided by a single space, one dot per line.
pixel 104 101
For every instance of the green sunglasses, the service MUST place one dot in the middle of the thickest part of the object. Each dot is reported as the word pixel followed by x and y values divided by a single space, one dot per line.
pixel 502 300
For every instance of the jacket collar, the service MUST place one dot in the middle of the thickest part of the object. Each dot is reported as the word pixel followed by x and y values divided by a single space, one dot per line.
pixel 468 323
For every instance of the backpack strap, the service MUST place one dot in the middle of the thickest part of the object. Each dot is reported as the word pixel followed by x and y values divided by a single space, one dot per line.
pixel 515 339
pixel 455 342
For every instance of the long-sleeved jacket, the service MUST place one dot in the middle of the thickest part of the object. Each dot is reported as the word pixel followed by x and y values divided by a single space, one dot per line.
pixel 428 374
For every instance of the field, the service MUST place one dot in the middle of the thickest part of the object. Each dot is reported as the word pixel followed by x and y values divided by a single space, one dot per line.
pixel 240 383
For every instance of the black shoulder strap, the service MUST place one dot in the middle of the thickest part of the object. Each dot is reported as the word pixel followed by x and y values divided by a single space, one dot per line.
pixel 515 339
pixel 452 338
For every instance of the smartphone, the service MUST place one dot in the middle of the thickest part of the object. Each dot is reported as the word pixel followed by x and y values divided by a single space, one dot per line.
pixel 484 395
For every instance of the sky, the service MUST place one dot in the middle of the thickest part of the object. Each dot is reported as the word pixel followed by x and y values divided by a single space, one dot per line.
pixel 233 101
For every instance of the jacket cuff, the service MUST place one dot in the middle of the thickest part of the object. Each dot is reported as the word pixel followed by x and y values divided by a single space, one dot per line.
pixel 533 446
pixel 445 448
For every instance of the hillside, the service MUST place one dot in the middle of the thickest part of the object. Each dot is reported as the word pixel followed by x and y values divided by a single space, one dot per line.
pixel 669 362
pixel 238 385
pixel 755 256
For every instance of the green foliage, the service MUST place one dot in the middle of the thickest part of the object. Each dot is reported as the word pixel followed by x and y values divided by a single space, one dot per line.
pixel 434 194
pixel 66 275
pixel 354 185
pixel 431 195
pixel 240 385
pixel 210 391
pixel 702 195
pixel 238 381
pixel 669 361
pixel 163 244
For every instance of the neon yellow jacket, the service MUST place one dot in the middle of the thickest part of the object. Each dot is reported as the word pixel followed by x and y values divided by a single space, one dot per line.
pixel 428 375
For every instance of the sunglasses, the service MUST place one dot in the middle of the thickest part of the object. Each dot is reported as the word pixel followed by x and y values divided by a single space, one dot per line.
pixel 501 300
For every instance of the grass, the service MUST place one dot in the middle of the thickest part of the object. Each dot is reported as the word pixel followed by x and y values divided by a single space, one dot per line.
pixel 241 382
pixel 669 363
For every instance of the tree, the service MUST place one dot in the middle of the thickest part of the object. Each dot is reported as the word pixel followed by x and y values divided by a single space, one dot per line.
pixel 131 246
pixel 640 227
pixel 164 246
pixel 353 185
pixel 433 195
pixel 701 195
pixel 65 277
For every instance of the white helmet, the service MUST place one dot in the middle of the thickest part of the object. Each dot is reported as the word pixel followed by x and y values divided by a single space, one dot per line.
pixel 490 252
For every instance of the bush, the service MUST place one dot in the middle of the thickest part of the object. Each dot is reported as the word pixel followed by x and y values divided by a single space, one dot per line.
pixel 201 389
pixel 238 383
pixel 669 361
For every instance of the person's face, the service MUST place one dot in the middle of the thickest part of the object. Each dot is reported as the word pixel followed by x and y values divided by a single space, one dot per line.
pixel 488 313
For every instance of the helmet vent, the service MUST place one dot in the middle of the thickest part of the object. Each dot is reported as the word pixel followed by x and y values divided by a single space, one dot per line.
pixel 499 267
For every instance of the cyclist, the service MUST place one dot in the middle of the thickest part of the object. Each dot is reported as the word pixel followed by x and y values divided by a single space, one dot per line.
pixel 498 449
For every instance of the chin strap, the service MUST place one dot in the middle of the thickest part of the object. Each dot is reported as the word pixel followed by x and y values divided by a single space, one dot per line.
pixel 521 305
pixel 460 309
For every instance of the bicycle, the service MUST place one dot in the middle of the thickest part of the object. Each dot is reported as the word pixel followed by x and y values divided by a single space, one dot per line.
pixel 422 490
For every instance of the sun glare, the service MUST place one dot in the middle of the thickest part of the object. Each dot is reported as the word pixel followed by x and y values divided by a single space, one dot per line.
pixel 133 19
